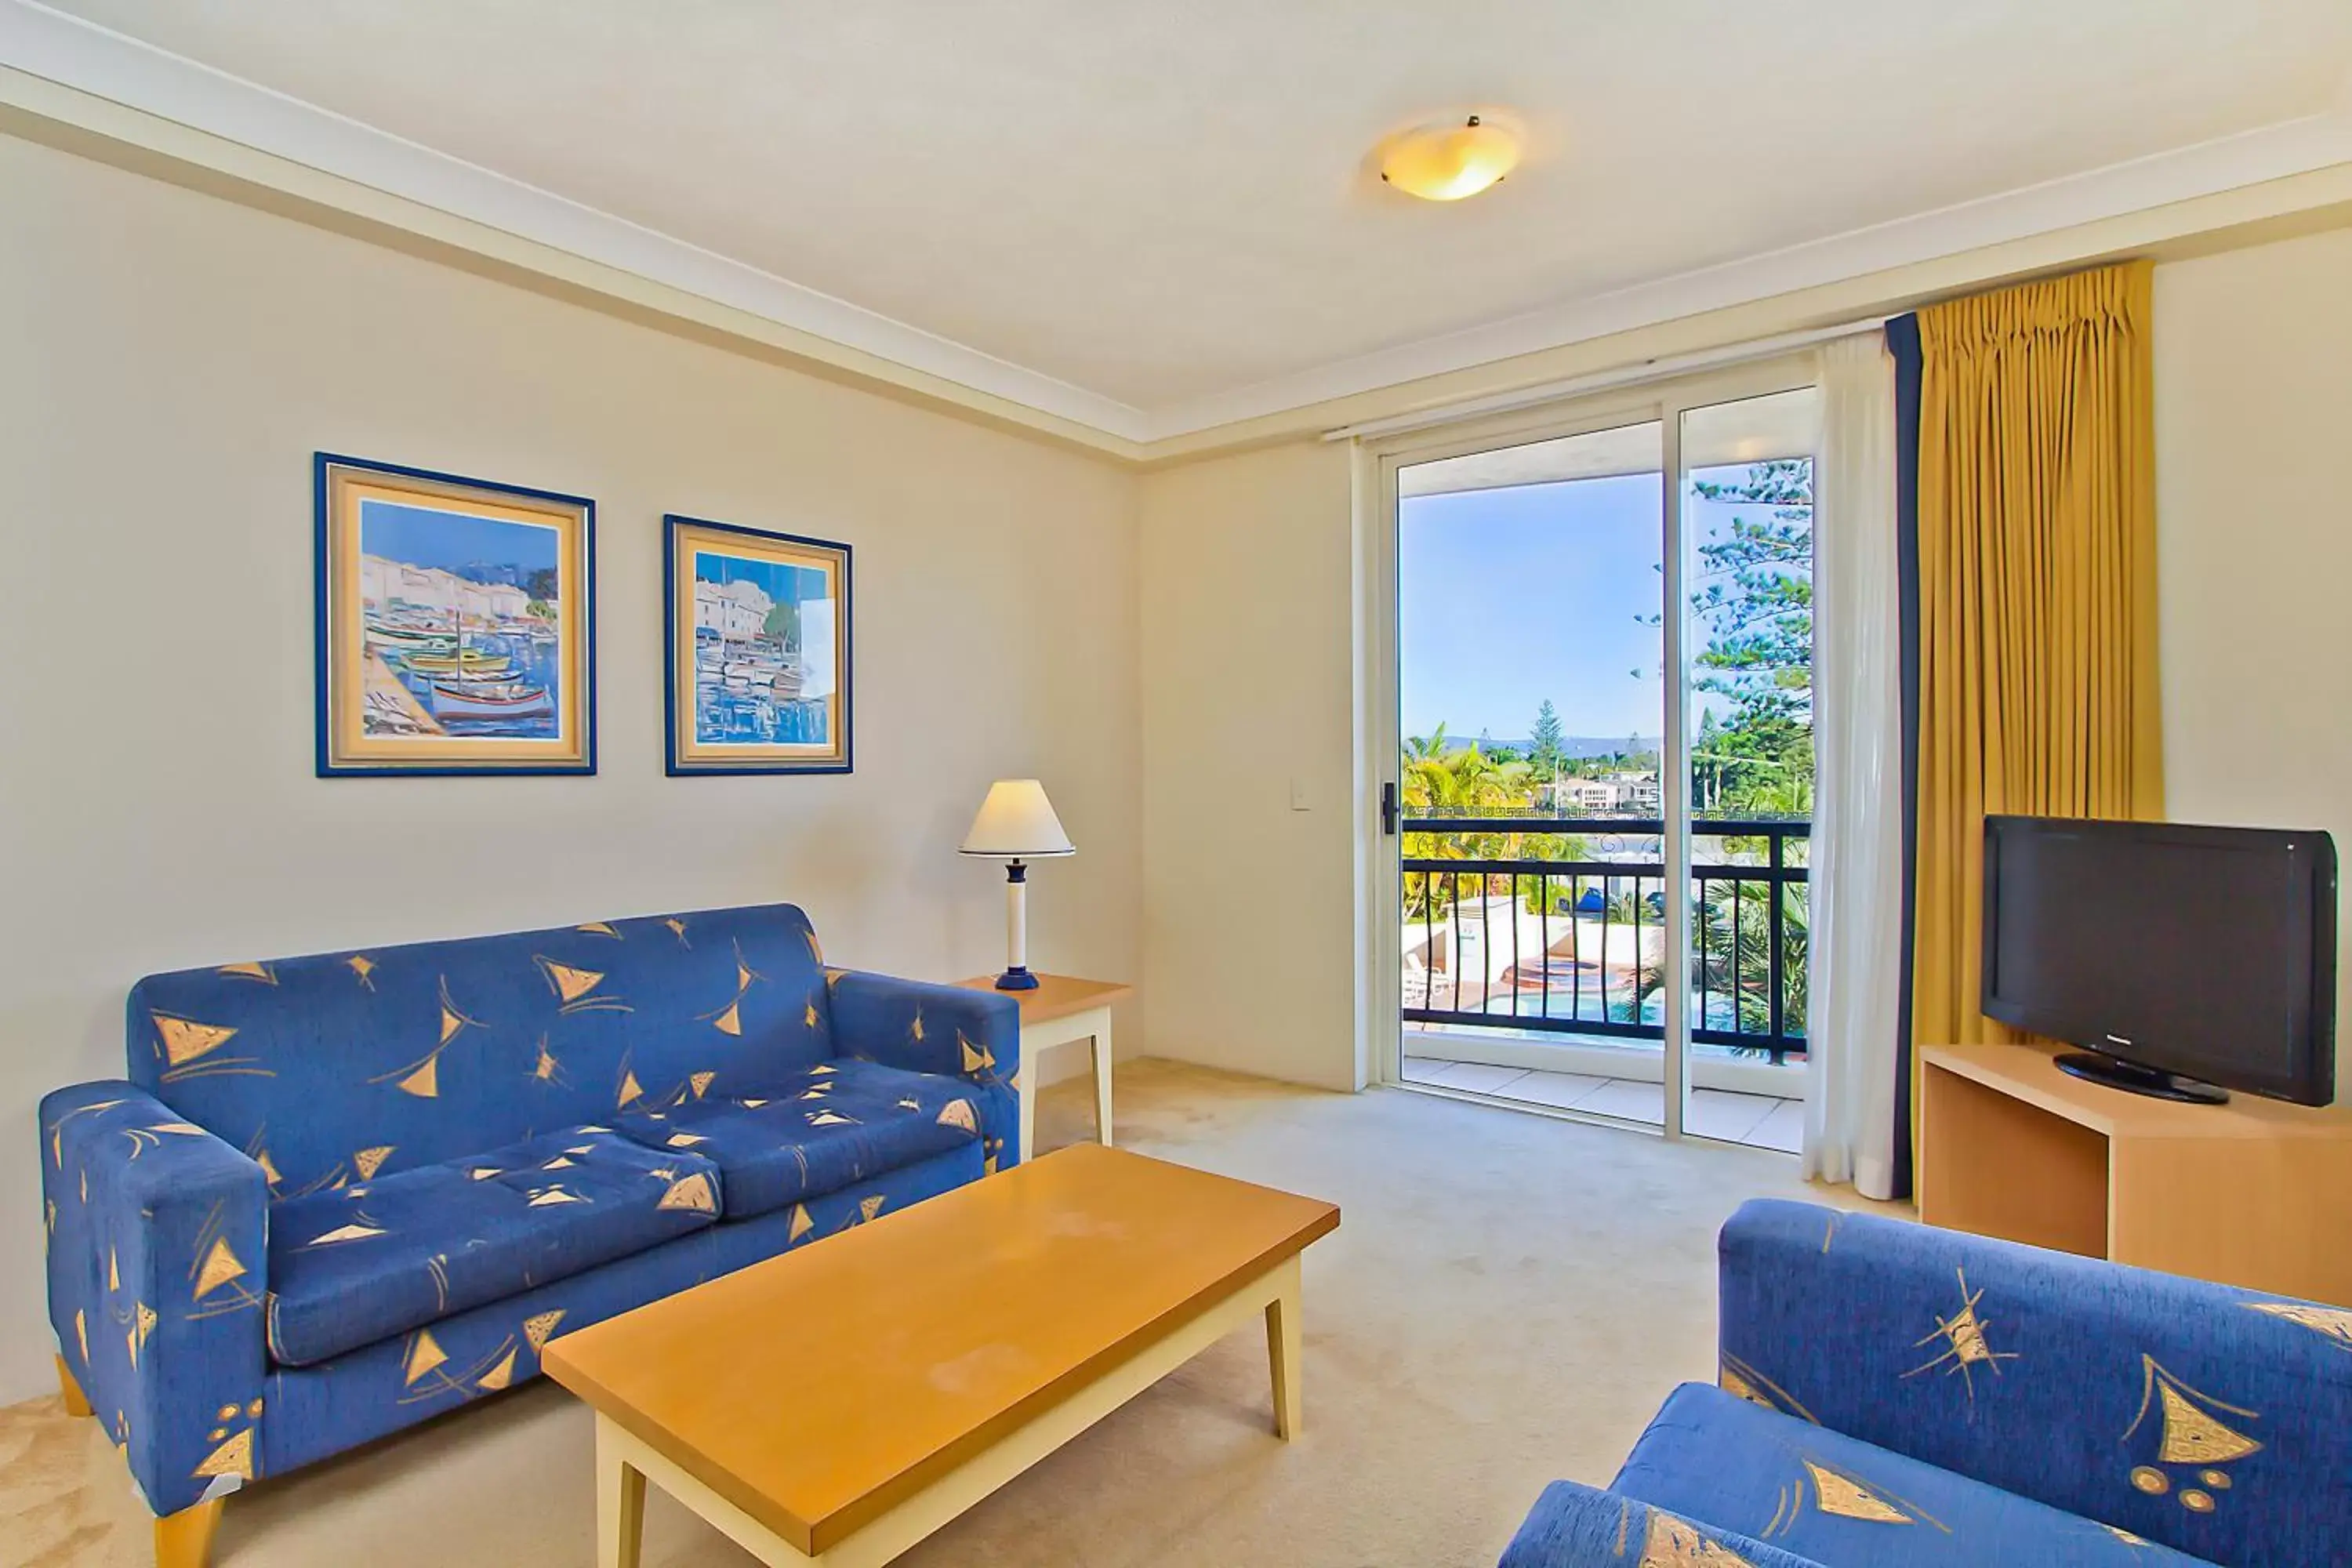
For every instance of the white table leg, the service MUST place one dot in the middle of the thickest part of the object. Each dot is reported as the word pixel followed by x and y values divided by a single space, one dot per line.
pixel 1026 1088
pixel 1102 1082
pixel 619 1502
pixel 1093 1028
pixel 1284 1351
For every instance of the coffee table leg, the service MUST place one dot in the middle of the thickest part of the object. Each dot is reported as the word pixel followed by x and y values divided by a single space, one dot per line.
pixel 619 1504
pixel 1283 1351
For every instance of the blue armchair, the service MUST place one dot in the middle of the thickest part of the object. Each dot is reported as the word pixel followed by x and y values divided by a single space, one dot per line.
pixel 1892 1394
pixel 336 1195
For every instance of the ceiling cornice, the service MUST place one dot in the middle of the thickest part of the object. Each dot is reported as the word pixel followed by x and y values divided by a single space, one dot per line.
pixel 2277 210
pixel 2250 158
pixel 220 132
pixel 72 53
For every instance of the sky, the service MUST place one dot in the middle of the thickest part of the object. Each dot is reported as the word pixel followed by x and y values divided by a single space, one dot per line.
pixel 782 583
pixel 416 536
pixel 1509 597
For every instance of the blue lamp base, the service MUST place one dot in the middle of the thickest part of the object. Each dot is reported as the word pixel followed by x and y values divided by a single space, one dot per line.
pixel 1016 978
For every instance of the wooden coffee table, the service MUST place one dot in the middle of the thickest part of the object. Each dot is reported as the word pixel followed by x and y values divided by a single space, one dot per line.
pixel 840 1403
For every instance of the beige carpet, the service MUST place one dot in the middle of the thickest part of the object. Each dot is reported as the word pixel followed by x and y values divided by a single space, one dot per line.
pixel 1505 1301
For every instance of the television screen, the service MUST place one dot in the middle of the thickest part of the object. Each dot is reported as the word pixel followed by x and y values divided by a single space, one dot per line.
pixel 2208 953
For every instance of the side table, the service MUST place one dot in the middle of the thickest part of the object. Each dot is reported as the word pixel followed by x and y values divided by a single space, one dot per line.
pixel 1061 1009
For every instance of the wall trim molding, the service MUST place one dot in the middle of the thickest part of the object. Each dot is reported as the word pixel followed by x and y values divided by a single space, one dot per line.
pixel 102 93
pixel 71 53
pixel 2231 162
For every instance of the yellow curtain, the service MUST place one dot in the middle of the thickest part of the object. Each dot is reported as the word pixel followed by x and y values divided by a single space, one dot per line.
pixel 2037 595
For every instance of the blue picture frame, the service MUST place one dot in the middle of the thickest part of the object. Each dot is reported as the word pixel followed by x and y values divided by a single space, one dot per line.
pixel 756 654
pixel 509 686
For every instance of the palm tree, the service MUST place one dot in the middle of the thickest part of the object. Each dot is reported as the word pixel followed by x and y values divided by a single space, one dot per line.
pixel 1741 970
pixel 1541 890
pixel 1443 780
pixel 1791 794
pixel 1639 912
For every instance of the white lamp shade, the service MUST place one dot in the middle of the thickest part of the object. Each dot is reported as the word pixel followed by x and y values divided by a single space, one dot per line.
pixel 1016 821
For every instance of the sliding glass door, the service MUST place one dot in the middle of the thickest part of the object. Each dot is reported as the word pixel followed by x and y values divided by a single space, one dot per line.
pixel 1602 762
pixel 1747 542
pixel 1530 643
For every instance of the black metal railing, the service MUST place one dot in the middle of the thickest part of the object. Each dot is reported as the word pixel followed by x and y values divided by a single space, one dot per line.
pixel 1750 908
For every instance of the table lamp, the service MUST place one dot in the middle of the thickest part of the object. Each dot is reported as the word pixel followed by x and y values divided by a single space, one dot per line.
pixel 1016 824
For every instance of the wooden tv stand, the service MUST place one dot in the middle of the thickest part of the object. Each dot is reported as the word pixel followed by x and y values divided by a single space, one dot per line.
pixel 2255 1193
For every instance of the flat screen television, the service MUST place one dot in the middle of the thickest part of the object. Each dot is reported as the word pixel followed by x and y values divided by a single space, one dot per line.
pixel 2189 960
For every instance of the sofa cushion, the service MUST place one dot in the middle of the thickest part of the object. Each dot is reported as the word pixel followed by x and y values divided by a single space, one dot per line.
pixel 1572 1525
pixel 812 1132
pixel 316 1411
pixel 1713 1457
pixel 350 1266
pixel 438 1049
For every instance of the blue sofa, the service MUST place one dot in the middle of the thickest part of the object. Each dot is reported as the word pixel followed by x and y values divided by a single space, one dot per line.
pixel 343 1193
pixel 1891 1394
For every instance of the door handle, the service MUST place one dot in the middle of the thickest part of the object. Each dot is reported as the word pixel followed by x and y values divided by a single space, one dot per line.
pixel 1388 809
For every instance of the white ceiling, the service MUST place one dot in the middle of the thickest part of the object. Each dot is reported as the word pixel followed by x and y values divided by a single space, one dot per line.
pixel 1167 203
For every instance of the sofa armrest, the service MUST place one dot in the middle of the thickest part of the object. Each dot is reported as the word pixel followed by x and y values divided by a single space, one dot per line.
pixel 158 1254
pixel 2211 1419
pixel 951 1030
pixel 1572 1526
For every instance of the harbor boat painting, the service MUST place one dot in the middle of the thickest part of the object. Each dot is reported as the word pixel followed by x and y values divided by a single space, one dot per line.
pixel 759 650
pixel 455 624
pixel 508 702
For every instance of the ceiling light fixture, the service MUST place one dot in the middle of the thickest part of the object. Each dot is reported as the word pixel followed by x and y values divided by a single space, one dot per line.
pixel 1446 163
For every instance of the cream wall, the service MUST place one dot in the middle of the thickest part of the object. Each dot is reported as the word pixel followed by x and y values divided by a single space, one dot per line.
pixel 2253 386
pixel 169 362
pixel 1250 908
pixel 1248 688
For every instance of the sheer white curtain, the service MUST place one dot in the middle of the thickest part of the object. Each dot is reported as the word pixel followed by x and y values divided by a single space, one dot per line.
pixel 1857 872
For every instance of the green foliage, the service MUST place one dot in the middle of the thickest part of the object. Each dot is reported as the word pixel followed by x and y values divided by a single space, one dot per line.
pixel 1738 968
pixel 1442 778
pixel 1545 742
pixel 1755 604
pixel 1445 778
pixel 1752 612
pixel 784 624
pixel 539 583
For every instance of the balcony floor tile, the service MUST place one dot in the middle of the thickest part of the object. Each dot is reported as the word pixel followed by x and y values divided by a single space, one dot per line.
pixel 1559 1089
pixel 1783 1130
pixel 1720 1113
pixel 1476 1077
pixel 1628 1100
pixel 1421 1069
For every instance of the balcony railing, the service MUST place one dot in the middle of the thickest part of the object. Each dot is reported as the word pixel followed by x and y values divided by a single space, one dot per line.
pixel 1583 902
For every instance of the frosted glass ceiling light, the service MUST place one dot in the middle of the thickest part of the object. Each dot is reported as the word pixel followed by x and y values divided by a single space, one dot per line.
pixel 1446 163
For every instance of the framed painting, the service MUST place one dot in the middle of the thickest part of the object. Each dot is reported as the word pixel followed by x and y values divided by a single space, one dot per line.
pixel 759 650
pixel 456 624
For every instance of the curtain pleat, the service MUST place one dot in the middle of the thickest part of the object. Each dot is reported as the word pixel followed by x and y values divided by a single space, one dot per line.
pixel 1856 952
pixel 2036 538
pixel 1903 343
